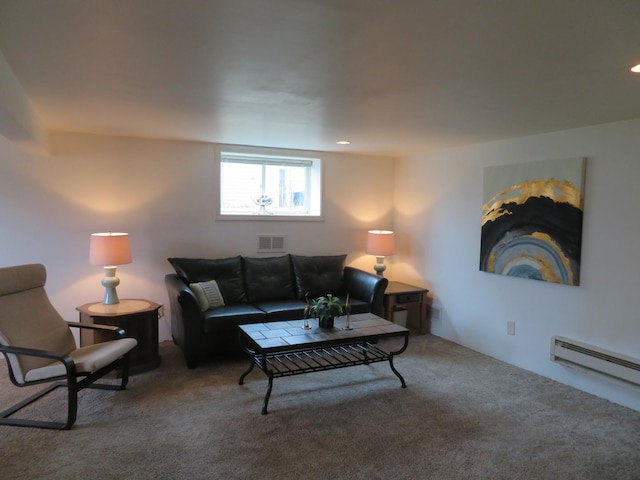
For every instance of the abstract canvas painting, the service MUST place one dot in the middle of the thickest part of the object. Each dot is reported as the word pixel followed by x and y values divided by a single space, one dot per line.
pixel 532 220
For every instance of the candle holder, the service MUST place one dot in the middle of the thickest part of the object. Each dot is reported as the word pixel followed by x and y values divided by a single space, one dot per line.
pixel 347 310
pixel 305 315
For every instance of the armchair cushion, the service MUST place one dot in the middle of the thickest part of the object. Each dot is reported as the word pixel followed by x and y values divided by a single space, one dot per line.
pixel 41 327
pixel 318 275
pixel 87 359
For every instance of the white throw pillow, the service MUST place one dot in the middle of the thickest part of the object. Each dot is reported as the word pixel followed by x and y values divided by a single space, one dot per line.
pixel 208 294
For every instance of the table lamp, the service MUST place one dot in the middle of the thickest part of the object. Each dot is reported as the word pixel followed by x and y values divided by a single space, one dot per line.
pixel 381 244
pixel 110 249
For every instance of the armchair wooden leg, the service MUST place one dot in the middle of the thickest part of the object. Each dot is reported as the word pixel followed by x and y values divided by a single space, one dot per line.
pixel 72 402
pixel 73 387
pixel 125 372
pixel 23 422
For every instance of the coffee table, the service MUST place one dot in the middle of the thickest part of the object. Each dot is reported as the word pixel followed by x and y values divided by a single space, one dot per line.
pixel 285 348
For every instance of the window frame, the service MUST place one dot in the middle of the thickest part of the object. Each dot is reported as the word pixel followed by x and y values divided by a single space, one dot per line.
pixel 316 157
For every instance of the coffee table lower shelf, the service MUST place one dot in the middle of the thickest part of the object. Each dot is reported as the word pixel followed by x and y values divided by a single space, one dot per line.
pixel 305 359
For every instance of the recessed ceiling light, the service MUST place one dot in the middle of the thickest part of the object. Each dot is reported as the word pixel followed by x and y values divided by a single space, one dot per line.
pixel 636 69
pixel 343 142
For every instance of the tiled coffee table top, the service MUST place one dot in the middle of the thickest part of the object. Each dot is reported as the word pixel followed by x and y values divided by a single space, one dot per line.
pixel 290 334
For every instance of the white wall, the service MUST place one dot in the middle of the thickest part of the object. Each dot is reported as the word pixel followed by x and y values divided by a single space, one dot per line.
pixel 438 199
pixel 161 193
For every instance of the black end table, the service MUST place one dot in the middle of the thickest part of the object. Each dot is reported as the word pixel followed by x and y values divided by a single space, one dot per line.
pixel 139 319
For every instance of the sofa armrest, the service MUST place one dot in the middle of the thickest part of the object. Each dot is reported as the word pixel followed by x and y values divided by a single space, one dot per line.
pixel 186 317
pixel 367 287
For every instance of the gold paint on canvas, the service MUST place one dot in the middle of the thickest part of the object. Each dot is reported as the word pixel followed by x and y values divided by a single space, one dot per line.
pixel 559 191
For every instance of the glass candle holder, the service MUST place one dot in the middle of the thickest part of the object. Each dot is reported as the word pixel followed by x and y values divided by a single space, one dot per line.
pixel 347 311
pixel 305 325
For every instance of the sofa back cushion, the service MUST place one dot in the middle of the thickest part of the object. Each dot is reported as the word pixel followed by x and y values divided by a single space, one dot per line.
pixel 227 272
pixel 318 275
pixel 268 278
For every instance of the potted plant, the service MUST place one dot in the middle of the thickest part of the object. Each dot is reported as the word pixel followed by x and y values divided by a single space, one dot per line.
pixel 326 308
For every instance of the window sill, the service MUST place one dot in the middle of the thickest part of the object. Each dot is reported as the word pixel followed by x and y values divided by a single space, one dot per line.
pixel 271 218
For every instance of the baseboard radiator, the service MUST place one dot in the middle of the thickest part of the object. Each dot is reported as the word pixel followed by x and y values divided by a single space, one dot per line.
pixel 595 358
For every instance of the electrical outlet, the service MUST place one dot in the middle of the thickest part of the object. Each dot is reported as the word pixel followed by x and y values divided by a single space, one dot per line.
pixel 511 328
pixel 435 313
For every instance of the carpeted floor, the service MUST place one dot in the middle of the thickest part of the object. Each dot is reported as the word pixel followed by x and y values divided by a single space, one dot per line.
pixel 463 416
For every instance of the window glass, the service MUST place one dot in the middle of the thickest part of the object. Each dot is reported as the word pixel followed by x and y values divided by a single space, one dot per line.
pixel 260 182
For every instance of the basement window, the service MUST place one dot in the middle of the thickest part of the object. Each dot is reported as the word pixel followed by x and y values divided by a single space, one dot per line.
pixel 269 184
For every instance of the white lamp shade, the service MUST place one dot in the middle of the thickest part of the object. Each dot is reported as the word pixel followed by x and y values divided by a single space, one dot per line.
pixel 380 243
pixel 109 249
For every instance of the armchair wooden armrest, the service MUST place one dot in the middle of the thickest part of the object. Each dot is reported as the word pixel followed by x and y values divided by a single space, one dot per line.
pixel 66 360
pixel 96 326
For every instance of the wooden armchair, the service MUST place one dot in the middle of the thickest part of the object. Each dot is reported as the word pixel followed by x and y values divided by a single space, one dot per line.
pixel 39 346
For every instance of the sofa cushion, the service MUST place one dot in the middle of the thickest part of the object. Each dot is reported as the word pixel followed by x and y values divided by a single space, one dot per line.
pixel 318 275
pixel 282 309
pixel 227 318
pixel 268 279
pixel 227 272
pixel 208 294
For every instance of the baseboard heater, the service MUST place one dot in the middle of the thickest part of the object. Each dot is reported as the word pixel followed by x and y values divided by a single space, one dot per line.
pixel 595 358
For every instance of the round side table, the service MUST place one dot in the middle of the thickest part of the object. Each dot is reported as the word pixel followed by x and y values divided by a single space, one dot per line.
pixel 138 317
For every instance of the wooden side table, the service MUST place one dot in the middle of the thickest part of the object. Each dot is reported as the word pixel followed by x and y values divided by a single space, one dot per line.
pixel 139 318
pixel 398 293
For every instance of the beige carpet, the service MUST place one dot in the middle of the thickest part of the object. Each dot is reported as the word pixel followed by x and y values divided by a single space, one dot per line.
pixel 463 416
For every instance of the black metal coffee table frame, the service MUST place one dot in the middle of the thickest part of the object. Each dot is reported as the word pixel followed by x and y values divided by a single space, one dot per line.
pixel 282 349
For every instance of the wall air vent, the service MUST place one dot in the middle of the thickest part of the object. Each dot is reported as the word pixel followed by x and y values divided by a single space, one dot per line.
pixel 595 358
pixel 271 243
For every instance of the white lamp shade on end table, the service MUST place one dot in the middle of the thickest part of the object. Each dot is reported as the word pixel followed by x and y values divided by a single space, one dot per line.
pixel 109 250
pixel 380 243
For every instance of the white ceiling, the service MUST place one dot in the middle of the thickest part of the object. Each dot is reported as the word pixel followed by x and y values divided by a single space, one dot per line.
pixel 393 76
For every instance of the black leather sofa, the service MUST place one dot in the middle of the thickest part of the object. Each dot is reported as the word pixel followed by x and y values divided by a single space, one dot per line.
pixel 256 290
